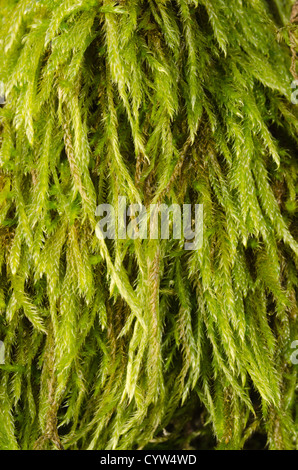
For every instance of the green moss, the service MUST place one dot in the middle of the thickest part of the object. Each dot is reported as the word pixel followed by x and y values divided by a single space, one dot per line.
pixel 130 344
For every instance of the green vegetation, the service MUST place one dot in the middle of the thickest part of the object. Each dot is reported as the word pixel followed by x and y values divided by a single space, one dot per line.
pixel 132 344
